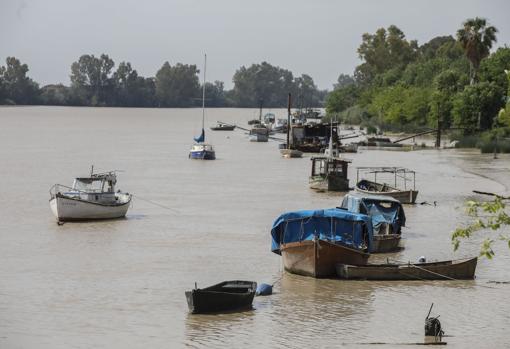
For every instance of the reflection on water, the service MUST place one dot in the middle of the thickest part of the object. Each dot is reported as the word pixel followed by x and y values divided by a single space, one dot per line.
pixel 121 283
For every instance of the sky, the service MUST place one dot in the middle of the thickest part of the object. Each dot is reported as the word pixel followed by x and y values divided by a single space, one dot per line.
pixel 314 37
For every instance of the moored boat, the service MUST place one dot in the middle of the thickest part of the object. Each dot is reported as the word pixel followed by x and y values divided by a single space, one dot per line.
pixel 223 127
pixel 387 215
pixel 329 174
pixel 463 269
pixel 200 150
pixel 404 195
pixel 222 297
pixel 312 242
pixel 259 133
pixel 89 198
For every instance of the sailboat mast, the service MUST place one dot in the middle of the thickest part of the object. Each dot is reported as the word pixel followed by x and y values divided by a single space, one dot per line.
pixel 203 92
pixel 288 121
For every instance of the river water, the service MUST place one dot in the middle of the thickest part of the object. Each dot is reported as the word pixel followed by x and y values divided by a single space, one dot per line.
pixel 120 284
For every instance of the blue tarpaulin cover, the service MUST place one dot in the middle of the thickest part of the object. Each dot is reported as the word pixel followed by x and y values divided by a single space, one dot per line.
pixel 334 224
pixel 200 138
pixel 381 209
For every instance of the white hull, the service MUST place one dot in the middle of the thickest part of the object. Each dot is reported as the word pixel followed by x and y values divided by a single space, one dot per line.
pixel 66 209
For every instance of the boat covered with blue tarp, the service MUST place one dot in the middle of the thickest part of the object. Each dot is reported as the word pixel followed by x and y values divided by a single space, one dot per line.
pixel 311 242
pixel 381 209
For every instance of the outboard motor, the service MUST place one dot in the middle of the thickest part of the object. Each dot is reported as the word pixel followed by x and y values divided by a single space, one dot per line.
pixel 433 326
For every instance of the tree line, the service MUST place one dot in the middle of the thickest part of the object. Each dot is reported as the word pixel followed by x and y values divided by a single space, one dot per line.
pixel 453 82
pixel 97 81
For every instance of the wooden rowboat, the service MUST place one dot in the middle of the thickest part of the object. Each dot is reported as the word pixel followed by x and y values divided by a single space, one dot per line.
pixel 317 258
pixel 225 296
pixel 463 269
pixel 404 196
pixel 386 243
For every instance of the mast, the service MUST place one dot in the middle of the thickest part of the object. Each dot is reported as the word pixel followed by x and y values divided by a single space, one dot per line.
pixel 330 146
pixel 289 102
pixel 203 95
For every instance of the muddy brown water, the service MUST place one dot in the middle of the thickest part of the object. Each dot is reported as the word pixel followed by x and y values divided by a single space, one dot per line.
pixel 120 284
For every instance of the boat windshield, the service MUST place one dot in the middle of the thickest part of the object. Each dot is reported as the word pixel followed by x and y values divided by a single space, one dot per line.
pixel 88 184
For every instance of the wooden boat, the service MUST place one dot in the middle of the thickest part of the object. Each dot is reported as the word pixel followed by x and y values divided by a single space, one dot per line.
pixel 223 127
pixel 225 296
pixel 387 215
pixel 404 195
pixel 89 198
pixel 463 269
pixel 312 242
pixel 317 258
pixel 329 174
pixel 386 243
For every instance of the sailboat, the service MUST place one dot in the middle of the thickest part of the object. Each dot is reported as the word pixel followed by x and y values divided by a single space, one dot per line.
pixel 287 152
pixel 200 150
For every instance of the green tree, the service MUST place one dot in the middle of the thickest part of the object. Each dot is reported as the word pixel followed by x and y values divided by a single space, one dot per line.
pixel 487 216
pixel 262 82
pixel 446 85
pixel 91 80
pixel 215 94
pixel 342 98
pixel 177 86
pixel 476 106
pixel 382 51
pixel 15 85
pixel 54 95
pixel 476 38
pixel 132 90
pixel 344 80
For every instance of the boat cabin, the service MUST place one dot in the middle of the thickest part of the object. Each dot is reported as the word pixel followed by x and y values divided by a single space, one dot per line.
pixel 98 187
pixel 386 213
pixel 325 166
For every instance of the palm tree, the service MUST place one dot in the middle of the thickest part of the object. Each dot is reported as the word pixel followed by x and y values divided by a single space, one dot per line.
pixel 476 38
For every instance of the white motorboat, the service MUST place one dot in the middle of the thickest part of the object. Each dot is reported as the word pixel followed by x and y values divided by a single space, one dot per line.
pixel 89 198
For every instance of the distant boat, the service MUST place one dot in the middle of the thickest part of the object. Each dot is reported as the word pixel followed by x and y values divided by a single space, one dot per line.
pixel 312 242
pixel 200 150
pixel 288 152
pixel 404 195
pixel 259 133
pixel 223 127
pixel 463 269
pixel 280 125
pixel 329 174
pixel 225 296
pixel 89 198
pixel 387 215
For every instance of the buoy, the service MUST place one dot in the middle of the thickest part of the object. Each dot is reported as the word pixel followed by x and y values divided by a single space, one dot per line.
pixel 264 290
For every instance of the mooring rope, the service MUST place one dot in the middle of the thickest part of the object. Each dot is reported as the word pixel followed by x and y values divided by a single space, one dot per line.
pixel 156 204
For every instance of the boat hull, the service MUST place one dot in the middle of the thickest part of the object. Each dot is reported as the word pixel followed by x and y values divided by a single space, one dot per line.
pixel 291 153
pixel 203 301
pixel 259 138
pixel 329 183
pixel 68 209
pixel 202 155
pixel 317 258
pixel 446 270
pixel 223 128
pixel 404 196
pixel 386 243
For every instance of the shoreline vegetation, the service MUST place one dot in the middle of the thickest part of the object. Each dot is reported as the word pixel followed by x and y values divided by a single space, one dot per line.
pixel 450 83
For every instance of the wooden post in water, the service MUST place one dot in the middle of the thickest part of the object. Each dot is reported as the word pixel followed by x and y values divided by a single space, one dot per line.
pixel 289 102
pixel 438 133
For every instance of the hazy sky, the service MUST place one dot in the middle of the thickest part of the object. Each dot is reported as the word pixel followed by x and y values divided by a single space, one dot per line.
pixel 316 37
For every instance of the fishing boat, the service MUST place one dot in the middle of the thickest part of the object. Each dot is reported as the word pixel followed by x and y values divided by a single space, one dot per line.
pixel 288 152
pixel 269 120
pixel 200 150
pixel 387 216
pixel 225 296
pixel 312 242
pixel 329 174
pixel 223 127
pixel 280 125
pixel 259 133
pixel 463 269
pixel 89 198
pixel 399 174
